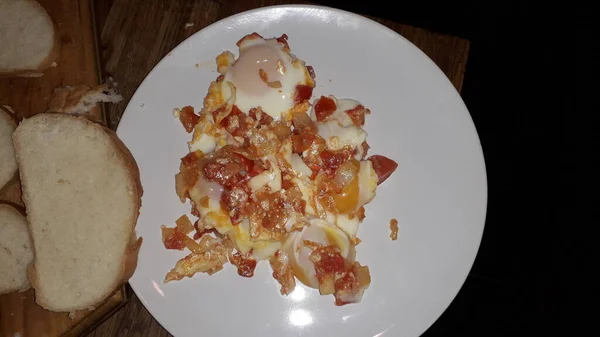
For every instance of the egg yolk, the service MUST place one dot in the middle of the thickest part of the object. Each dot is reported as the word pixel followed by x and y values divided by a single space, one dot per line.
pixel 347 200
pixel 256 67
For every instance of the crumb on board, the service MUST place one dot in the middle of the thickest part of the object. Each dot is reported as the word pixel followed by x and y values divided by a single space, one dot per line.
pixel 394 229
pixel 188 25
pixel 142 105
pixel 176 112
pixel 197 65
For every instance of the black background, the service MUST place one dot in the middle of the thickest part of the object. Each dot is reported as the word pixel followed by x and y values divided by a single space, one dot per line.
pixel 527 86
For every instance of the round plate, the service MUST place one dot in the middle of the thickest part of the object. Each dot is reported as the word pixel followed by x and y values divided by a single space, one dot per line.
pixel 438 193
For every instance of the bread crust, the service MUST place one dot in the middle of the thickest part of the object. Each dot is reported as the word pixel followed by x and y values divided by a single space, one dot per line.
pixel 131 252
pixel 20 211
pixel 47 62
pixel 11 118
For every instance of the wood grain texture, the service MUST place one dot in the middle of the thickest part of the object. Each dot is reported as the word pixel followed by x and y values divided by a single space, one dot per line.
pixel 138 34
pixel 77 64
pixel 135 38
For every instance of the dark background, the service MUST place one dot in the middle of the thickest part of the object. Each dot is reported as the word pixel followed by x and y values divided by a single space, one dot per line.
pixel 527 85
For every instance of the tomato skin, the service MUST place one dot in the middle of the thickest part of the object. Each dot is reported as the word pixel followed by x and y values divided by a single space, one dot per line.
pixel 383 166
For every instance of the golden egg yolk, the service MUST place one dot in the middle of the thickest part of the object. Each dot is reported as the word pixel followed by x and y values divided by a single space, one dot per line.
pixel 347 200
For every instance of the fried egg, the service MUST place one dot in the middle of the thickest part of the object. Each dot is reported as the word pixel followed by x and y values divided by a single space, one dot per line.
pixel 264 75
pixel 321 232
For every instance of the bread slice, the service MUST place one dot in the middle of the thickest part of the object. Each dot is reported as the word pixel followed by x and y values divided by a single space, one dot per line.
pixel 8 163
pixel 82 193
pixel 15 250
pixel 29 42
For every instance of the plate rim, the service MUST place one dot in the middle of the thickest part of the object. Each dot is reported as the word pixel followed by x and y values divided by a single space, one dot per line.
pixel 396 35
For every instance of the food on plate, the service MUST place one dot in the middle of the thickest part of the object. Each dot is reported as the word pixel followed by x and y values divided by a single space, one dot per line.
pixel 81 99
pixel 82 193
pixel 394 229
pixel 15 250
pixel 29 41
pixel 8 163
pixel 275 174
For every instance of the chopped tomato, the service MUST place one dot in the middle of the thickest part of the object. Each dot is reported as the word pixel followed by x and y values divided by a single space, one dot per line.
pixel 235 122
pixel 303 93
pixel 191 158
pixel 302 141
pixel 188 118
pixel 245 264
pixel 173 238
pixel 262 118
pixel 246 163
pixel 383 166
pixel 324 107
pixel 357 115
pixel 327 261
pixel 256 169
pixel 333 160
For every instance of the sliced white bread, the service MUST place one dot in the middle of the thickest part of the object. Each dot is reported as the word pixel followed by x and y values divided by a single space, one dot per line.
pixel 15 250
pixel 82 193
pixel 29 42
pixel 8 163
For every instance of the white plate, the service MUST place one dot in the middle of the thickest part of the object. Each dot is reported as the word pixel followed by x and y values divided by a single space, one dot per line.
pixel 438 193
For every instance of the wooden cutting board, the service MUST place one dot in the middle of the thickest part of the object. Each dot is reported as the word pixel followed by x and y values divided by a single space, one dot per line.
pixel 77 64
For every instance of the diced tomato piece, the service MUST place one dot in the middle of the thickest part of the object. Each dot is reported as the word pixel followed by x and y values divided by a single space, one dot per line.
pixel 383 166
pixel 235 111
pixel 333 160
pixel 324 107
pixel 192 158
pixel 245 265
pixel 246 163
pixel 173 238
pixel 256 169
pixel 303 93
pixel 357 115
pixel 265 119
pixel 188 118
